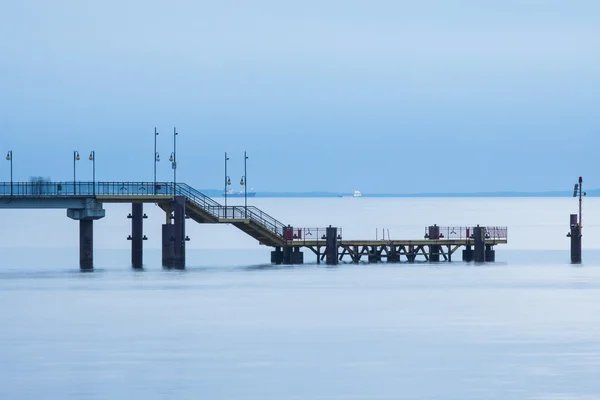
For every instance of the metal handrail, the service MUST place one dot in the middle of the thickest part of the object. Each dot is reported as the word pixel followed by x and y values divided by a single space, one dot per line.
pixel 87 189
pixel 465 232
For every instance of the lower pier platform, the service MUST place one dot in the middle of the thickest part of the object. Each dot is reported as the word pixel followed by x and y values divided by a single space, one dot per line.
pixel 477 245
pixel 391 252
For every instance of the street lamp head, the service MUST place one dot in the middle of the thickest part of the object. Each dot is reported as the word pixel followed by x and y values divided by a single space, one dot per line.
pixel 157 156
pixel 92 156
pixel 9 156
pixel 76 154
pixel 242 181
pixel 172 158
pixel 228 181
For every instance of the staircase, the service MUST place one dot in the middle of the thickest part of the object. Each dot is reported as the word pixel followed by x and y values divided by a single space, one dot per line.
pixel 251 220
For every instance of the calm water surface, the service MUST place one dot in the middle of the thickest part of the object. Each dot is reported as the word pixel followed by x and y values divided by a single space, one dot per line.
pixel 234 327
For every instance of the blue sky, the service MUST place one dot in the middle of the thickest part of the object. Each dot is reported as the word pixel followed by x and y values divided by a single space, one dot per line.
pixel 381 96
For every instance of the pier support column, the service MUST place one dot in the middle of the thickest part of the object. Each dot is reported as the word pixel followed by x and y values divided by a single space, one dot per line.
pixel 297 257
pixel 86 244
pixel 86 217
pixel 287 255
pixel 467 254
pixel 393 256
pixel 575 235
pixel 168 245
pixel 434 249
pixel 137 234
pixel 374 255
pixel 277 256
pixel 479 238
pixel 490 253
pixel 411 254
pixel 179 232
pixel 331 249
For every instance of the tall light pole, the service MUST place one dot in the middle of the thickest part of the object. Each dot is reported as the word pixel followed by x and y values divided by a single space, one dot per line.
pixel 579 190
pixel 173 160
pixel 75 158
pixel 93 160
pixel 244 183
pixel 9 157
pixel 156 158
pixel 227 182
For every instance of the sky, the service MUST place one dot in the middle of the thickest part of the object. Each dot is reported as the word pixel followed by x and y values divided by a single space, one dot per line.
pixel 380 96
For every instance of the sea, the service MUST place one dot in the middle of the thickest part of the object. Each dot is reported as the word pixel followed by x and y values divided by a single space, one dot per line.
pixel 233 326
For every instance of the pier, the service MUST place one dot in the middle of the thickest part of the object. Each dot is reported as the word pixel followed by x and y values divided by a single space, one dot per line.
pixel 84 201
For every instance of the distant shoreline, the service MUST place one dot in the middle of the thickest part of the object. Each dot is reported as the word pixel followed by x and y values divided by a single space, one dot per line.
pixel 592 193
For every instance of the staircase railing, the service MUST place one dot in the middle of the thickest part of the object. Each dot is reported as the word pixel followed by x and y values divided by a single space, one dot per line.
pixel 231 212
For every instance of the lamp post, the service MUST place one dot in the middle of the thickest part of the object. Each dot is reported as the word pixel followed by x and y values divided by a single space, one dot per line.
pixel 173 160
pixel 579 190
pixel 9 157
pixel 93 160
pixel 156 158
pixel 227 182
pixel 244 183
pixel 75 159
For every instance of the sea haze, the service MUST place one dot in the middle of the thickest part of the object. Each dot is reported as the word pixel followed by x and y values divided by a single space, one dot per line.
pixel 232 326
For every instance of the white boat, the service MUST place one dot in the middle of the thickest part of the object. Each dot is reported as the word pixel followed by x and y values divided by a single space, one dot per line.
pixel 231 193
pixel 357 193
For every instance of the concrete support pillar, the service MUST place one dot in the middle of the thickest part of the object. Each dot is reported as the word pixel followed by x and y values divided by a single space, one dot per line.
pixel 179 232
pixel 575 234
pixel 137 235
pixel 374 255
pixel 411 254
pixel 490 253
pixel 434 253
pixel 277 256
pixel 434 249
pixel 86 217
pixel 168 245
pixel 297 257
pixel 467 254
pixel 287 255
pixel 479 238
pixel 393 256
pixel 86 244
pixel 331 250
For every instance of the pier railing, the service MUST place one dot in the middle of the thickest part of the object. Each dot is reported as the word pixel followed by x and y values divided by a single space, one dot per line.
pixel 296 234
pixel 86 189
pixel 465 232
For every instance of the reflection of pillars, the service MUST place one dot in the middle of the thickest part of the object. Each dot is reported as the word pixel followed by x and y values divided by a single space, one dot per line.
pixel 479 238
pixel 137 234
pixel 331 250
pixel 86 244
pixel 575 235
